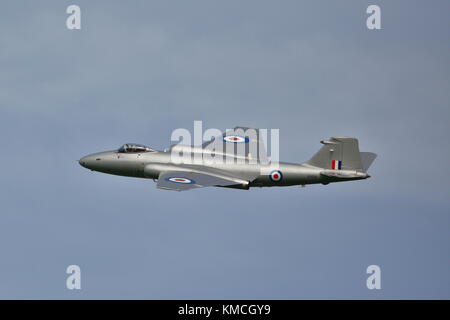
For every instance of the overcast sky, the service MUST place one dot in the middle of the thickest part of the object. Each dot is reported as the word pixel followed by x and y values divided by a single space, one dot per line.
pixel 137 71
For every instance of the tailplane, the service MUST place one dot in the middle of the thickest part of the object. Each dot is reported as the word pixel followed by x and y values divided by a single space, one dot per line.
pixel 367 159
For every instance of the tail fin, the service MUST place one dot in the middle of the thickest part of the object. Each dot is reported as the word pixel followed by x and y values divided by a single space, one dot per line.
pixel 342 153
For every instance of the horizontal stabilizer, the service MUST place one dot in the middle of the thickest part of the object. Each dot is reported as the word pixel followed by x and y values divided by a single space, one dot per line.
pixel 344 175
pixel 367 159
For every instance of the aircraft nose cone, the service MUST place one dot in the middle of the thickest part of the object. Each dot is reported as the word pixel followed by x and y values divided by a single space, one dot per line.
pixel 83 162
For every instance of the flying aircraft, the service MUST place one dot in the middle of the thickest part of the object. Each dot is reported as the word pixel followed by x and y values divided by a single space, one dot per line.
pixel 237 159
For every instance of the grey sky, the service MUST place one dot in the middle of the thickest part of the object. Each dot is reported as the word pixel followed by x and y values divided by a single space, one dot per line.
pixel 136 72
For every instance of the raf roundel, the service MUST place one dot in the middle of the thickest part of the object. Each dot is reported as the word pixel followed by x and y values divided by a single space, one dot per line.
pixel 276 176
pixel 181 180
pixel 235 139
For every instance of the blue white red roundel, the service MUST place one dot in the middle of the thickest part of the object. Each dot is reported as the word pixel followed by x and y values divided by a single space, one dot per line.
pixel 235 139
pixel 180 180
pixel 276 176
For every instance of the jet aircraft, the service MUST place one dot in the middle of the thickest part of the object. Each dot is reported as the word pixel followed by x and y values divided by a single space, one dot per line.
pixel 243 163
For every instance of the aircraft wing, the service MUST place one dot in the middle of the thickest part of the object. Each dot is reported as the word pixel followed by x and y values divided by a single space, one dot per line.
pixel 180 180
pixel 240 141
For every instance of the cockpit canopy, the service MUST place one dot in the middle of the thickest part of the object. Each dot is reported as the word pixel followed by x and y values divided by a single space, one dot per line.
pixel 134 148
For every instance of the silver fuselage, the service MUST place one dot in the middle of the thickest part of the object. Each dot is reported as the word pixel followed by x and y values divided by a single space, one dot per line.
pixel 150 164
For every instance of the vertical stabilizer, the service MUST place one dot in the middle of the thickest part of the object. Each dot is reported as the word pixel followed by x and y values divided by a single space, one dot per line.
pixel 339 153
